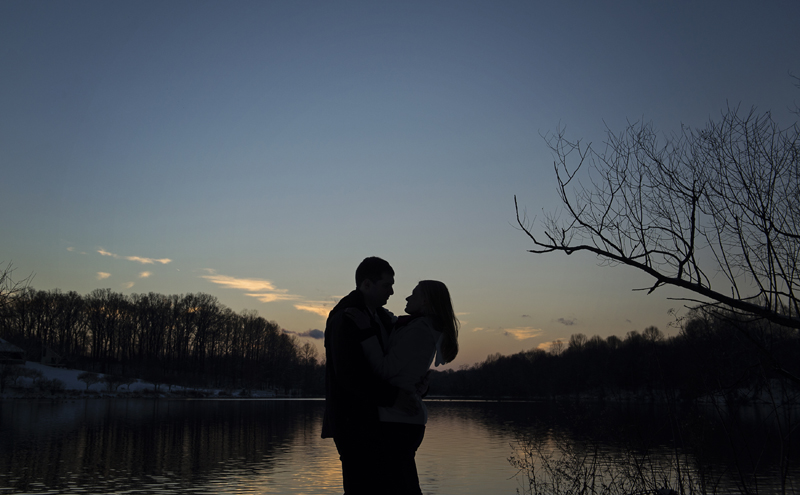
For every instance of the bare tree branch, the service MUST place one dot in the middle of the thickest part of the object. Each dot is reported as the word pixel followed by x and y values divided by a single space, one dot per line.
pixel 8 287
pixel 722 200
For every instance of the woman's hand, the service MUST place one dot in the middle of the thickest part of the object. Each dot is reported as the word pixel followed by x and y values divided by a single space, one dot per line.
pixel 361 320
pixel 406 402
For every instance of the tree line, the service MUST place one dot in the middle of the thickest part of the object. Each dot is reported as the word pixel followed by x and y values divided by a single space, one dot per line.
pixel 716 353
pixel 194 340
pixel 189 339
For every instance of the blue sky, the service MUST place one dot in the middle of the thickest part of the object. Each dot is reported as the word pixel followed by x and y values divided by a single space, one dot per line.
pixel 257 151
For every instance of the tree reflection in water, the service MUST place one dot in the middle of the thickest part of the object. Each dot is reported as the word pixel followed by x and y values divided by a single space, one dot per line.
pixel 274 446
pixel 153 446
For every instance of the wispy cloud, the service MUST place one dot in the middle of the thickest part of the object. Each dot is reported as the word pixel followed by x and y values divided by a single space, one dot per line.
pixel 128 285
pixel 263 290
pixel 566 321
pixel 523 333
pixel 145 274
pixel 314 334
pixel 248 284
pixel 320 308
pixel 103 275
pixel 266 292
pixel 478 329
pixel 138 259
pixel 272 297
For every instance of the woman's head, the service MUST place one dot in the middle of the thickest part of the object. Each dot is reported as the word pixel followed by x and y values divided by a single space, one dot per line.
pixel 431 298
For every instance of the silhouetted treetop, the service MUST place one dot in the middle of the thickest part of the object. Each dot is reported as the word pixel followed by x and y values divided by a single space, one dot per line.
pixel 715 211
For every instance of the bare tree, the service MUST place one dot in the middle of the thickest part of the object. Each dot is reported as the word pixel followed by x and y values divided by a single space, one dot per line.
pixel 9 373
pixel 684 209
pixel 8 287
pixel 577 341
pixel 113 382
pixel 308 354
pixel 556 347
pixel 653 334
pixel 89 378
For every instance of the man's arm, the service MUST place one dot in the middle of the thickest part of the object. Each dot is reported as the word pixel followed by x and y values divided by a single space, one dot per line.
pixel 351 367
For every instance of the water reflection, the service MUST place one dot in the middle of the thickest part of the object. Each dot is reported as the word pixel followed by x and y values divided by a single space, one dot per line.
pixel 274 446
pixel 163 446
pixel 737 449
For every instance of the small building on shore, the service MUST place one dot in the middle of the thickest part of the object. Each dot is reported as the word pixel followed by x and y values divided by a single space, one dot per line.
pixel 51 358
pixel 11 354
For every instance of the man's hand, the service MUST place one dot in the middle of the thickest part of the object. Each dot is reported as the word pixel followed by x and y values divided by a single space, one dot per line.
pixel 361 320
pixel 406 402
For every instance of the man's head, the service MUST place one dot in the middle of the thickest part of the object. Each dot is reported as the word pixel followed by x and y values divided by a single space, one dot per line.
pixel 375 278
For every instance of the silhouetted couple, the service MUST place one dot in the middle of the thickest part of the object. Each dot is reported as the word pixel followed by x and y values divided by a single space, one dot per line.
pixel 376 368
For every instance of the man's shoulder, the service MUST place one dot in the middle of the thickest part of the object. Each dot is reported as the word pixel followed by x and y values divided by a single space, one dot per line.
pixel 351 300
pixel 336 316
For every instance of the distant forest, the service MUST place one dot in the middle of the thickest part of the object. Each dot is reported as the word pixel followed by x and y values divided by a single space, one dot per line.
pixel 716 352
pixel 193 340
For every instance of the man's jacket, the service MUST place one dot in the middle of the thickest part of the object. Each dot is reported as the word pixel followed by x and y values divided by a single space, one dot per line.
pixel 353 391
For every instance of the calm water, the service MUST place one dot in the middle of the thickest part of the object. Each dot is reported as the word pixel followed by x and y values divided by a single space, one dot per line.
pixel 267 446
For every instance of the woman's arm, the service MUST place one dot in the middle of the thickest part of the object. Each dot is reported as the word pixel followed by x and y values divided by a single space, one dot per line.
pixel 409 353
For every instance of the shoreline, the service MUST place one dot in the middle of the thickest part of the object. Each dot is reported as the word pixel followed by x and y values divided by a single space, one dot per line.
pixel 71 388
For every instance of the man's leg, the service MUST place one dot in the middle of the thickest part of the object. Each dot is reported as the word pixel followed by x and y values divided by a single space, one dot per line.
pixel 361 463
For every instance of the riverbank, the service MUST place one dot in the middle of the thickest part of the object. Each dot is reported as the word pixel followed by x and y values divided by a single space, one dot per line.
pixel 67 385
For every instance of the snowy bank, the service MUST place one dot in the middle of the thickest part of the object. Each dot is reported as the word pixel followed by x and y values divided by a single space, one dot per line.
pixel 26 387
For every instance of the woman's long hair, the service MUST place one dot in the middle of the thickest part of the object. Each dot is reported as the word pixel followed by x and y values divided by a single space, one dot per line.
pixel 440 308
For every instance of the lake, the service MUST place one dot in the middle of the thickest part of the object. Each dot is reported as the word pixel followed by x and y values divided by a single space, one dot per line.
pixel 273 446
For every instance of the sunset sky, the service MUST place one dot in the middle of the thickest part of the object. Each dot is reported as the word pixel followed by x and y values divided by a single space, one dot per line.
pixel 258 151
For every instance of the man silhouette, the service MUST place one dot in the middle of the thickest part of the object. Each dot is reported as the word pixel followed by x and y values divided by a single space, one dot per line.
pixel 352 391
